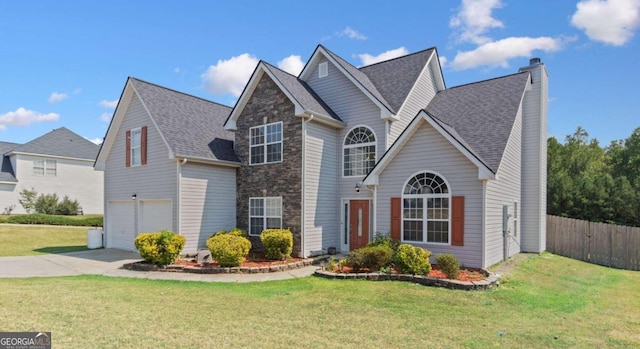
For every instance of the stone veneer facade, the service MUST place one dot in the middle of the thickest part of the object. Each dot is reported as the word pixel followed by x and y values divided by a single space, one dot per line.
pixel 266 105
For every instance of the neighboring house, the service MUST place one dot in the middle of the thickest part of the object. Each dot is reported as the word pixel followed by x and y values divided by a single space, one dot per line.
pixel 59 162
pixel 339 153
pixel 168 164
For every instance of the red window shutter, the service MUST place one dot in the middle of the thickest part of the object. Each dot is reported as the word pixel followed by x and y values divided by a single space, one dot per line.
pixel 457 221
pixel 143 145
pixel 128 149
pixel 396 218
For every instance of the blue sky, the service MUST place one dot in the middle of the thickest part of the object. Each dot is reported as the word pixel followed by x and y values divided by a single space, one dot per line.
pixel 64 63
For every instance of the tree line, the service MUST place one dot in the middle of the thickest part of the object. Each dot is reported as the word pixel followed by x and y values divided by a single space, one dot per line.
pixel 590 182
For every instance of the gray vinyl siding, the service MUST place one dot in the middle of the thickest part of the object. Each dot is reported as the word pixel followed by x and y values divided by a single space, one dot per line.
pixel 423 91
pixel 155 180
pixel 208 202
pixel 534 166
pixel 355 109
pixel 505 190
pixel 321 209
pixel 427 150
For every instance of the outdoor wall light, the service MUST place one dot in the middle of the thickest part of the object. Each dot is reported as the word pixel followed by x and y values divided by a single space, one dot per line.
pixel 134 196
pixel 357 188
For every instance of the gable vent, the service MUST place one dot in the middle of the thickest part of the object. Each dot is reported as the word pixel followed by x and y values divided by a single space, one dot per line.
pixel 323 69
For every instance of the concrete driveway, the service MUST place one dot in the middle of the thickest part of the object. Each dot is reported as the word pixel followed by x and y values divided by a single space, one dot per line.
pixel 108 262
pixel 100 261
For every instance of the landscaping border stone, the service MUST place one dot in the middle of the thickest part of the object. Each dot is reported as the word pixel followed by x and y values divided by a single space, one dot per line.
pixel 174 268
pixel 489 281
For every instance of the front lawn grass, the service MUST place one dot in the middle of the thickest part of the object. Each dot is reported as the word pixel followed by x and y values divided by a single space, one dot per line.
pixel 546 302
pixel 27 240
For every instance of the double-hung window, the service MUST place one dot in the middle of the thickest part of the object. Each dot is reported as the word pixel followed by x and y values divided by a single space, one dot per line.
pixel 359 152
pixel 136 147
pixel 264 213
pixel 425 209
pixel 266 143
pixel 45 168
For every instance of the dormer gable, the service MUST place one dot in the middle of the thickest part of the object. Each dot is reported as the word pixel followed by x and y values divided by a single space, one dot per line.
pixel 353 74
pixel 306 102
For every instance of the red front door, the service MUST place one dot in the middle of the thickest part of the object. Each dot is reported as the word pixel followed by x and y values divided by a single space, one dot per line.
pixel 358 223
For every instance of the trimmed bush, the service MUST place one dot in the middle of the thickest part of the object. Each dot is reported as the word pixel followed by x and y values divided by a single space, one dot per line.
pixel 228 250
pixel 449 264
pixel 160 248
pixel 234 231
pixel 278 243
pixel 384 240
pixel 411 259
pixel 37 218
pixel 373 258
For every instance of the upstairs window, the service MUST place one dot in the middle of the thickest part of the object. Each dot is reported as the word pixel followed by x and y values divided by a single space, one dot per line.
pixel 136 147
pixel 45 168
pixel 359 152
pixel 265 144
pixel 425 209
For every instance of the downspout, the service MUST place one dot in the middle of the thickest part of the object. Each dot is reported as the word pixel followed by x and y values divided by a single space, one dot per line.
pixel 179 192
pixel 374 204
pixel 304 175
pixel 484 222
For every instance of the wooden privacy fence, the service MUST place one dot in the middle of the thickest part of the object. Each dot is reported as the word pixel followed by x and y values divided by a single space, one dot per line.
pixel 611 245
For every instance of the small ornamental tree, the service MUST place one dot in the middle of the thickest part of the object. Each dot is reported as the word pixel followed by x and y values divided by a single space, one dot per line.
pixel 28 199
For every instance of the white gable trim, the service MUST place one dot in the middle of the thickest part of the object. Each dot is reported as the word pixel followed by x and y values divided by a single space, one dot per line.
pixel 51 156
pixel 484 173
pixel 121 111
pixel 385 113
pixel 299 110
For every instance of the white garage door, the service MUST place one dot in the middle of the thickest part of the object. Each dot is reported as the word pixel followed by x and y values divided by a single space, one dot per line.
pixel 155 215
pixel 120 232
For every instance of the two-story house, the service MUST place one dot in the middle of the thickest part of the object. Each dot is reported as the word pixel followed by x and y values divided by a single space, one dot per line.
pixel 339 153
pixel 59 162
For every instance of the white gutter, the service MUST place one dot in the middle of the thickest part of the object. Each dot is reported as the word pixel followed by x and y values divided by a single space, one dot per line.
pixel 374 208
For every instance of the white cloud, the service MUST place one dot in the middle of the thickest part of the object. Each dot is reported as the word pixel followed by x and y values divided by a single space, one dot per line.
pixel 498 53
pixel 368 59
pixel 57 97
pixel 443 61
pixel 105 117
pixel 77 91
pixel 292 65
pixel 25 117
pixel 229 76
pixel 109 104
pixel 351 34
pixel 612 22
pixel 97 141
pixel 474 19
pixel 177 70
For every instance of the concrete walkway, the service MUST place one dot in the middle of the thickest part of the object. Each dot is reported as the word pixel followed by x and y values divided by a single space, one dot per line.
pixel 108 262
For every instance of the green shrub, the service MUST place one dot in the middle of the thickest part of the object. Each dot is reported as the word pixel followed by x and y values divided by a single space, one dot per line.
pixel 449 264
pixel 68 207
pixel 278 243
pixel 373 258
pixel 228 250
pixel 384 240
pixel 411 259
pixel 234 231
pixel 47 203
pixel 160 248
pixel 37 218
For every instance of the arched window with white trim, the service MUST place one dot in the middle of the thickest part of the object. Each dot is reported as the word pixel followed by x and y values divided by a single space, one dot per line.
pixel 425 209
pixel 359 152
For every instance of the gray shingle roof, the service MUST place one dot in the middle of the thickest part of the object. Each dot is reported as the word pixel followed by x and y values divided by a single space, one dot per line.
pixel 362 78
pixel 395 78
pixel 192 126
pixel 481 115
pixel 61 142
pixel 303 94
pixel 6 170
